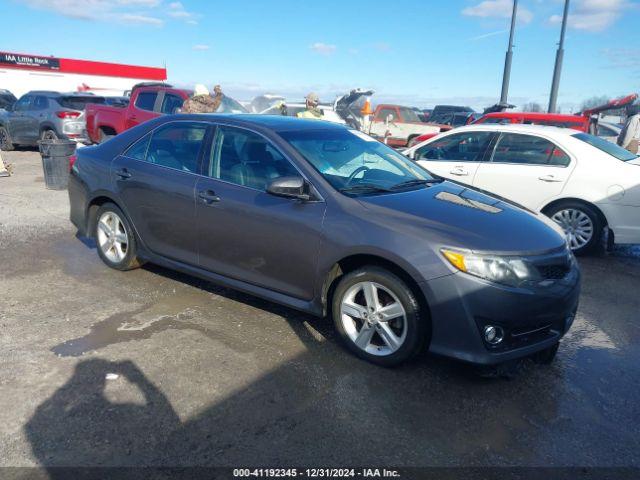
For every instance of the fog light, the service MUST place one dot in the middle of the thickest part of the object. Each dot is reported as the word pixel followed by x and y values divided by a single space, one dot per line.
pixel 493 335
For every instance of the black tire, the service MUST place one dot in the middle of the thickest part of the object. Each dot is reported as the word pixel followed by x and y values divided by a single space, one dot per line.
pixel 5 140
pixel 546 356
pixel 104 136
pixel 48 134
pixel 594 217
pixel 416 325
pixel 130 259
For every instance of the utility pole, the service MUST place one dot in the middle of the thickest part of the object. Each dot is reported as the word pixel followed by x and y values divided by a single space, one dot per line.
pixel 553 97
pixel 506 77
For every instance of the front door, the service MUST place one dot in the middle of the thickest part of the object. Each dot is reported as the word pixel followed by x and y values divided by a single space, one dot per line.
pixel 156 178
pixel 247 234
pixel 455 156
pixel 18 120
pixel 528 169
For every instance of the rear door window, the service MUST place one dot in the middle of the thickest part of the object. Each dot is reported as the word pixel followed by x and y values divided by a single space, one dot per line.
pixel 146 100
pixel 138 150
pixel 170 103
pixel 40 102
pixel 80 102
pixel 177 145
pixel 528 150
pixel 461 147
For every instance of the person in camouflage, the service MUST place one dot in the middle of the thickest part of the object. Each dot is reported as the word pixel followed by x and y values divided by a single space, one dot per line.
pixel 201 101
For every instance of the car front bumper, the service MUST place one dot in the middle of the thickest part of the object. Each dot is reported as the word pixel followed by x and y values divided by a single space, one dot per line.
pixel 461 305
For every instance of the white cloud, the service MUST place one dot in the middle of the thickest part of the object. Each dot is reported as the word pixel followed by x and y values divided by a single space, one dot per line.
pixel 490 34
pixel 201 47
pixel 133 12
pixel 593 15
pixel 498 9
pixel 323 48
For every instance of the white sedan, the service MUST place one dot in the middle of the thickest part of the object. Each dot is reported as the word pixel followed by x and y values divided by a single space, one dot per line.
pixel 583 182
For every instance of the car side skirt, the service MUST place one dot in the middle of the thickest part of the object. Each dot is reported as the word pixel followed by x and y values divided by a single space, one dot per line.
pixel 312 307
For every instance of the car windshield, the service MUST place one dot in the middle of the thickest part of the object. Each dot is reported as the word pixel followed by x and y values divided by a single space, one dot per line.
pixel 607 147
pixel 409 115
pixel 78 102
pixel 229 105
pixel 356 164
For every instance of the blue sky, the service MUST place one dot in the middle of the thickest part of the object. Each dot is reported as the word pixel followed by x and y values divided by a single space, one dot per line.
pixel 412 51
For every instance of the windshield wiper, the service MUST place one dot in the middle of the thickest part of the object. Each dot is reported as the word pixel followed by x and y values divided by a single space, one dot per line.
pixel 364 188
pixel 414 182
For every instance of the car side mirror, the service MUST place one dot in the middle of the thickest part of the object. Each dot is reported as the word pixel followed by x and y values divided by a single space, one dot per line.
pixel 289 187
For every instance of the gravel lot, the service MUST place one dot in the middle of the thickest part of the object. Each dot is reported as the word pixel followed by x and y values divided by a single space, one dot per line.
pixel 100 367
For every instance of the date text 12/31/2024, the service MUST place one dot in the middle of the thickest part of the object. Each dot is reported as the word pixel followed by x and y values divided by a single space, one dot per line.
pixel 315 473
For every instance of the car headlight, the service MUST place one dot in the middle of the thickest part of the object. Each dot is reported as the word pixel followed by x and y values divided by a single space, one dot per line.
pixel 508 270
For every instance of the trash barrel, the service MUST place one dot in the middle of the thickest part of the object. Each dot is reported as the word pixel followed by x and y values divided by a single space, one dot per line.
pixel 55 162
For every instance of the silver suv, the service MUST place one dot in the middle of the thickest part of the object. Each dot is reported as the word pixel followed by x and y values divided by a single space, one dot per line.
pixel 44 115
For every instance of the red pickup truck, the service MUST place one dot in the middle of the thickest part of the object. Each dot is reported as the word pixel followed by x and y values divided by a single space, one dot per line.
pixel 147 102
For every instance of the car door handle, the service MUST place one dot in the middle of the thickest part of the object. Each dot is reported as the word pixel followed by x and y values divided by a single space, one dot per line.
pixel 459 171
pixel 208 196
pixel 123 173
pixel 550 178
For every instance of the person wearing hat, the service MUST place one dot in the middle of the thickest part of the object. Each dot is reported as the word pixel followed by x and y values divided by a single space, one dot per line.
pixel 312 111
pixel 201 101
pixel 629 137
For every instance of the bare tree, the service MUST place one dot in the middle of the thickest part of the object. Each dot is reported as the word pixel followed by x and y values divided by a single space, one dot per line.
pixel 593 102
pixel 532 107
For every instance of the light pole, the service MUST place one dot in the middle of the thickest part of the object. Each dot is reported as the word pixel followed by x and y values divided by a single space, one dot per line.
pixel 557 70
pixel 506 77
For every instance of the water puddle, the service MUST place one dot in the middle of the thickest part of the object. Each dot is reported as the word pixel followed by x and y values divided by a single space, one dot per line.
pixel 174 313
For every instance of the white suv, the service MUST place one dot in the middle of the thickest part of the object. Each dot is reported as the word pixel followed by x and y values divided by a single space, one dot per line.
pixel 583 182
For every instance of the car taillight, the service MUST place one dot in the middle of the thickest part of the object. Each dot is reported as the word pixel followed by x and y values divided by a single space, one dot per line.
pixel 67 114
pixel 72 161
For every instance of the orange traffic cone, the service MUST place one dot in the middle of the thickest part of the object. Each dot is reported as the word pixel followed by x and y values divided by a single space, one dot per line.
pixel 366 109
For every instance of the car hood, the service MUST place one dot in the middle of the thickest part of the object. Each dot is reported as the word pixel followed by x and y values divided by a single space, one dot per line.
pixel 448 214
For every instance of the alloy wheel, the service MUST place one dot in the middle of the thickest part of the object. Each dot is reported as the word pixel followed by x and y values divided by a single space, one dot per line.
pixel 577 226
pixel 373 318
pixel 113 240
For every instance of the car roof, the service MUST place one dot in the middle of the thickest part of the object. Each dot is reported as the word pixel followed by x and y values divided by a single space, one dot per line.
pixel 277 123
pixel 518 128
pixel 537 115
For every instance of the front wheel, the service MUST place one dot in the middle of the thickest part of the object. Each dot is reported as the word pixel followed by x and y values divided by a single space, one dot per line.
pixel 581 224
pixel 378 317
pixel 115 238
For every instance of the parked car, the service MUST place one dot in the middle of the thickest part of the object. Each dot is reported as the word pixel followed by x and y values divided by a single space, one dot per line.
pixel 442 112
pixel 147 101
pixel 327 220
pixel 453 120
pixel 581 181
pixel 399 125
pixel 44 115
pixel 6 98
pixel 577 122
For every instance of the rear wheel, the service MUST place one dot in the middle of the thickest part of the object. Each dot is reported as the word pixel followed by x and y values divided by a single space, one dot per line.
pixel 581 224
pixel 48 135
pixel 378 317
pixel 104 136
pixel 115 238
pixel 5 140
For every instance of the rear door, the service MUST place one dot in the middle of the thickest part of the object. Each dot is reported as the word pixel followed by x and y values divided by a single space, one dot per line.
pixel 143 108
pixel 247 234
pixel 528 169
pixel 456 156
pixel 156 179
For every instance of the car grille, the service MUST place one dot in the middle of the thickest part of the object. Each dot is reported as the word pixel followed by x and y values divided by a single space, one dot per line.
pixel 554 272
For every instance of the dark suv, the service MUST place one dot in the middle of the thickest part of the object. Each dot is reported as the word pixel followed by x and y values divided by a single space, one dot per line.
pixel 44 115
pixel 327 220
